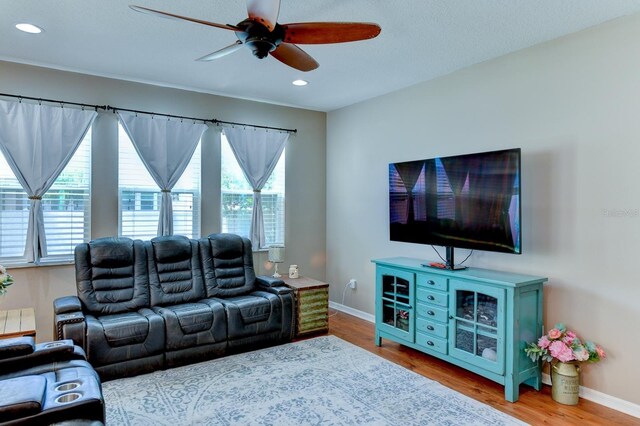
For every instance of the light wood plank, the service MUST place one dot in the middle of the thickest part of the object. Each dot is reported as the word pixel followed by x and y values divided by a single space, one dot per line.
pixel 13 322
pixel 17 322
pixel 28 321
pixel 3 321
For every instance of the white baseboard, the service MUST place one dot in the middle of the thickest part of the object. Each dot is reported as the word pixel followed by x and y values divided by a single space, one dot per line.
pixel 586 393
pixel 603 399
pixel 356 313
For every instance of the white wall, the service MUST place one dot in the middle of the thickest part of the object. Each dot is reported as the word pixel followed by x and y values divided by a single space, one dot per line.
pixel 573 106
pixel 305 171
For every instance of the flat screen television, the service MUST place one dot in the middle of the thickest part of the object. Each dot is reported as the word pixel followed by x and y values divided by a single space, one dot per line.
pixel 467 201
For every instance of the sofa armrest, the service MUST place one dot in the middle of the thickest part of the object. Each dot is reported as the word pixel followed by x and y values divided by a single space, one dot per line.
pixel 69 322
pixel 287 298
pixel 272 285
pixel 67 304
pixel 276 290
pixel 72 326
pixel 267 281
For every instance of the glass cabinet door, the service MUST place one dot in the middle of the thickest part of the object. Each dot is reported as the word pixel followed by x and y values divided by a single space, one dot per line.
pixel 395 311
pixel 477 325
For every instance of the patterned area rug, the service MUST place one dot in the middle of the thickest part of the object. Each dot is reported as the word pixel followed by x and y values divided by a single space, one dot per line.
pixel 321 381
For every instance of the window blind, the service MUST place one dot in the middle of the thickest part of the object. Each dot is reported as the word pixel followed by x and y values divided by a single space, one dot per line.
pixel 66 208
pixel 140 196
pixel 237 198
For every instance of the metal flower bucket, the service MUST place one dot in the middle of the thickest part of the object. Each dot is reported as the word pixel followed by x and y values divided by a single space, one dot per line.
pixel 565 379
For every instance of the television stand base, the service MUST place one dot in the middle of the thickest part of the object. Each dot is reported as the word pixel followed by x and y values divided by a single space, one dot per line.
pixel 438 265
pixel 456 268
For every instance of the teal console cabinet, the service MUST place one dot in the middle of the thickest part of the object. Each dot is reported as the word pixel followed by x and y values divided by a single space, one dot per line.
pixel 477 319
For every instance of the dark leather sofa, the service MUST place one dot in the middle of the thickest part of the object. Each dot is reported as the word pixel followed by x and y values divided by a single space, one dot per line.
pixel 149 305
pixel 47 383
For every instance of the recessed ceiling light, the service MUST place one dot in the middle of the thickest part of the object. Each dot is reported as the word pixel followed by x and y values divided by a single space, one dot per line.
pixel 300 82
pixel 29 28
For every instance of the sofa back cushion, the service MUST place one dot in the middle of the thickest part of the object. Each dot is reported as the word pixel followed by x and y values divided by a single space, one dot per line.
pixel 227 265
pixel 175 274
pixel 111 275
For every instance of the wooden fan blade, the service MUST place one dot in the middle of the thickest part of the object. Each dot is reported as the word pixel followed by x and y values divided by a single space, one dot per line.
pixel 222 52
pixel 264 11
pixel 183 18
pixel 292 55
pixel 329 32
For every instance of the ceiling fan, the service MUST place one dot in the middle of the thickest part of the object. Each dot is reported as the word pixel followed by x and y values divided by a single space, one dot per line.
pixel 261 33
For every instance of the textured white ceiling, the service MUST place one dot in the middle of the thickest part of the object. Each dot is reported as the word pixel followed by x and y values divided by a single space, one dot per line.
pixel 420 40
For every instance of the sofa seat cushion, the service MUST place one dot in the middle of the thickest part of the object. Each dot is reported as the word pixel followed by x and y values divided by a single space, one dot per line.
pixel 125 336
pixel 253 314
pixel 21 397
pixel 193 324
pixel 125 329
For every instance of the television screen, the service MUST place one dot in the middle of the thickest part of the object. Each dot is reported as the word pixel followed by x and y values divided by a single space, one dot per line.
pixel 468 201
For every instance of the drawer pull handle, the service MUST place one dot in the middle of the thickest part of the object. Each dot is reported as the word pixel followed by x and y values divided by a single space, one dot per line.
pixel 431 282
pixel 430 343
pixel 430 327
pixel 430 297
pixel 450 316
pixel 430 313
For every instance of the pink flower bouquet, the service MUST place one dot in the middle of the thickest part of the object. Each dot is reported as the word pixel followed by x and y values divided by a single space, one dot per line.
pixel 562 345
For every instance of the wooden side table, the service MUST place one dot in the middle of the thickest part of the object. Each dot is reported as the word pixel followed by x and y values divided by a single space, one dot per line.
pixel 312 304
pixel 17 322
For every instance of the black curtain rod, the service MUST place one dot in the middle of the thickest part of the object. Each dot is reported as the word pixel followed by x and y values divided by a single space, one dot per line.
pixel 114 109
pixel 54 101
pixel 232 123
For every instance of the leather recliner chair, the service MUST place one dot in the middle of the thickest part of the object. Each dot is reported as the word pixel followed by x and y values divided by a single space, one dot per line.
pixel 259 309
pixel 195 327
pixel 46 383
pixel 122 333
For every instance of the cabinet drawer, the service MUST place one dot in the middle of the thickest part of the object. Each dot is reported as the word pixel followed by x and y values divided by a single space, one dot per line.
pixel 431 327
pixel 433 343
pixel 431 312
pixel 310 325
pixel 433 297
pixel 432 281
pixel 310 296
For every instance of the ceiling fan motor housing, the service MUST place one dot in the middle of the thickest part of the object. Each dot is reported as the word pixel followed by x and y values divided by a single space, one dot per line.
pixel 258 38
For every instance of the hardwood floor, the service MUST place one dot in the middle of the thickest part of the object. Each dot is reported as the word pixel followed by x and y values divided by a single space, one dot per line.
pixel 533 407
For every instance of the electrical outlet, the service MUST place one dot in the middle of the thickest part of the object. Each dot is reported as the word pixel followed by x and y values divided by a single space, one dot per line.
pixel 353 283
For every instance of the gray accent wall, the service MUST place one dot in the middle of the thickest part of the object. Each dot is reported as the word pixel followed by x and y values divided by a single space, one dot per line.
pixel 572 105
pixel 305 170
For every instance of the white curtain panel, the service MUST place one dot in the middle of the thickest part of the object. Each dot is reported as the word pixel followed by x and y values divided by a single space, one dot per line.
pixel 38 141
pixel 165 147
pixel 257 152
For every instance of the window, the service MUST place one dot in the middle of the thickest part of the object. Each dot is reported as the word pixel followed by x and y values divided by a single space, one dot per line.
pixel 14 214
pixel 237 199
pixel 66 208
pixel 140 196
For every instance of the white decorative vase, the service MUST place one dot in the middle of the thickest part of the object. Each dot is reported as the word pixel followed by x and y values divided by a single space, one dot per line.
pixel 565 379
